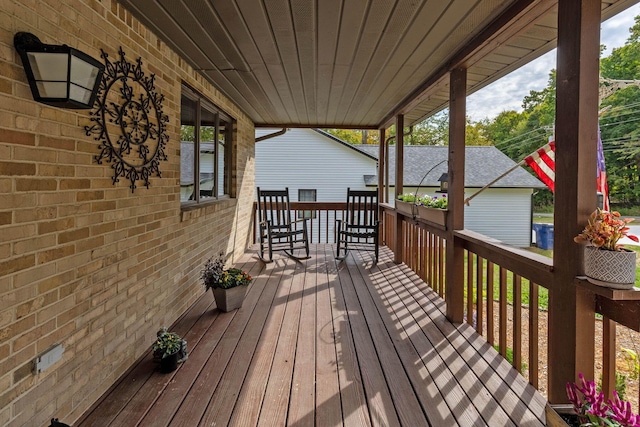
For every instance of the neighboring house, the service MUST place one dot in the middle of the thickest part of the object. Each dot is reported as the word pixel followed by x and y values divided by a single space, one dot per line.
pixel 310 161
pixel 300 160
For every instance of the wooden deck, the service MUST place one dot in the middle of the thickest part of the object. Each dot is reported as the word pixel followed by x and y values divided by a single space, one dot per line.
pixel 318 343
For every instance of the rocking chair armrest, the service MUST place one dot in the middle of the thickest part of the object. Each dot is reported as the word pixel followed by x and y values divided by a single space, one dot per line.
pixel 303 221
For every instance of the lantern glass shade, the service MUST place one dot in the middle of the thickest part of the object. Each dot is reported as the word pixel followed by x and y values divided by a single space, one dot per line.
pixel 59 76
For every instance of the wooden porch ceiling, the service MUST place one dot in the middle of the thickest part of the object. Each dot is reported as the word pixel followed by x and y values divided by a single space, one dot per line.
pixel 355 63
pixel 320 343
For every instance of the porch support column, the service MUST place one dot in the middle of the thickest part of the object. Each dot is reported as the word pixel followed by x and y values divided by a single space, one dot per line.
pixel 571 310
pixel 397 256
pixel 382 190
pixel 455 220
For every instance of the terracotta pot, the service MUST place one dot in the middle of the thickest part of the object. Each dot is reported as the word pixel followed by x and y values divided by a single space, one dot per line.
pixel 229 299
pixel 438 216
pixel 613 269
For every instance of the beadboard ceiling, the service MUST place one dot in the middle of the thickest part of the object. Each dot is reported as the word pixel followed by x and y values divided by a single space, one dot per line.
pixel 351 63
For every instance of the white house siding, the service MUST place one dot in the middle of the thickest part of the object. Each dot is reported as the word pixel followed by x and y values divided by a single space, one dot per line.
pixel 501 213
pixel 290 160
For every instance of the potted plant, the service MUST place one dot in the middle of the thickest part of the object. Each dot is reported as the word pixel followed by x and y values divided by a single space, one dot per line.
pixel 606 262
pixel 229 286
pixel 592 409
pixel 169 349
pixel 433 209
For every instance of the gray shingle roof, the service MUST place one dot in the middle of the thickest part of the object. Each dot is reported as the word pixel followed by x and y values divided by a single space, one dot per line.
pixel 482 165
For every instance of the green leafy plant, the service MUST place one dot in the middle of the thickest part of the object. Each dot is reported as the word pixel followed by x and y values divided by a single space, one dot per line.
pixel 408 197
pixel 426 200
pixel 211 274
pixel 166 343
pixel 634 362
pixel 434 202
pixel 214 276
pixel 233 277
pixel 604 230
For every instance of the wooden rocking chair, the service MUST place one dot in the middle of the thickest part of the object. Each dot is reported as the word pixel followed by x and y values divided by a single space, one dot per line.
pixel 277 231
pixel 359 229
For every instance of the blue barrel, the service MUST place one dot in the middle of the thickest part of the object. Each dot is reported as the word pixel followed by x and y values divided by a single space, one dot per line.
pixel 544 235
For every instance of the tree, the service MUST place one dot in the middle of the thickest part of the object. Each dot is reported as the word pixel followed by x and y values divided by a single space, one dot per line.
pixel 619 125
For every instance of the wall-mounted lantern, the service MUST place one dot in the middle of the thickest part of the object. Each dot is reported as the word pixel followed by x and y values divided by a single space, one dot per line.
pixel 444 183
pixel 60 76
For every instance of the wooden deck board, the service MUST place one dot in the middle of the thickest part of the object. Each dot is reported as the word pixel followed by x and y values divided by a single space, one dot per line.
pixel 321 343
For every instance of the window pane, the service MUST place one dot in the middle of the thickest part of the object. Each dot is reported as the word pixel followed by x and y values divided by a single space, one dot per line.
pixel 206 144
pixel 207 153
pixel 222 164
pixel 306 196
pixel 187 148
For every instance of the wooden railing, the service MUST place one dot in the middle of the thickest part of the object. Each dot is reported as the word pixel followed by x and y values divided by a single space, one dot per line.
pixel 507 294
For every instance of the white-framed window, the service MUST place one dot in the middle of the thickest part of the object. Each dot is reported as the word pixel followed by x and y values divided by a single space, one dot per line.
pixel 205 149
pixel 307 196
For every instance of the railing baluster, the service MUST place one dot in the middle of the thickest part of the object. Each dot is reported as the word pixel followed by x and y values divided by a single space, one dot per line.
pixel 517 322
pixel 490 321
pixel 533 333
pixel 479 293
pixel 502 330
pixel 469 256
pixel 608 356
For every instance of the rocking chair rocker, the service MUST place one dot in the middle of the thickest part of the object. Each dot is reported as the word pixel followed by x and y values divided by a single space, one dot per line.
pixel 277 231
pixel 360 227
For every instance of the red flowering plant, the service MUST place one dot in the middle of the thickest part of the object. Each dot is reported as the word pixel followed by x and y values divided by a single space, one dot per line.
pixel 590 406
pixel 604 230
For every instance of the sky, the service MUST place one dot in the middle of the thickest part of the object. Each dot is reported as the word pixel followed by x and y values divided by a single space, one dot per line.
pixel 508 92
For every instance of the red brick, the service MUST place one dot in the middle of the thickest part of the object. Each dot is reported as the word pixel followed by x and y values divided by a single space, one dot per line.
pixel 17 137
pixel 57 143
pixel 11 168
pixel 17 264
pixel 36 185
pixel 5 218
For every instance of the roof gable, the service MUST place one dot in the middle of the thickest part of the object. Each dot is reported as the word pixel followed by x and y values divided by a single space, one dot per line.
pixel 483 164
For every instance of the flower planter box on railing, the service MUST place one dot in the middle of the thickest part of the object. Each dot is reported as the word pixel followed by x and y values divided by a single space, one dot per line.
pixel 406 208
pixel 435 215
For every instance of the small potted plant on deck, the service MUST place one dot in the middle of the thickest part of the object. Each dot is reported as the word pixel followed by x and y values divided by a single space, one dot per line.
pixel 229 286
pixel 169 349
pixel 606 262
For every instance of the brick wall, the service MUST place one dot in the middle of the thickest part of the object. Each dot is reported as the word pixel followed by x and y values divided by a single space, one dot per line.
pixel 83 262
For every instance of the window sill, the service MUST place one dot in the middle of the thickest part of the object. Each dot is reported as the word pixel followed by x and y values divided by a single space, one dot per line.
pixel 191 210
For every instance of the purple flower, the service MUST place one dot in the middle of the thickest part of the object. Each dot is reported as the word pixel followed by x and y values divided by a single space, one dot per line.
pixel 589 404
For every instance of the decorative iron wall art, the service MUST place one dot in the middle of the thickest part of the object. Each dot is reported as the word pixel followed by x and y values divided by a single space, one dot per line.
pixel 129 122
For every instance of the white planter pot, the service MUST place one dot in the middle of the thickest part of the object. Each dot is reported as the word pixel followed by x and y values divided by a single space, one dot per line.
pixel 613 269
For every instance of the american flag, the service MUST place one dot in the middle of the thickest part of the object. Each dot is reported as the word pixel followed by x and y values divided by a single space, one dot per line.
pixel 543 163
pixel 601 175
